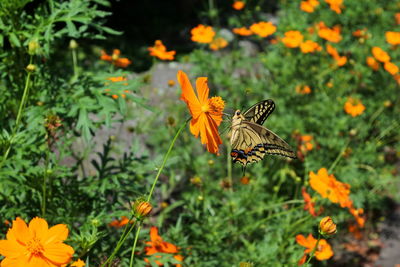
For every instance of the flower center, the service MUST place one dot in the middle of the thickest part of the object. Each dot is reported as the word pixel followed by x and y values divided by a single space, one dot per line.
pixel 35 247
pixel 205 108
pixel 216 105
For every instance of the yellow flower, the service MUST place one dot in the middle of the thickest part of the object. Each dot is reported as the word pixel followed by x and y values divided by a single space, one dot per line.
pixel 78 263
pixel 36 245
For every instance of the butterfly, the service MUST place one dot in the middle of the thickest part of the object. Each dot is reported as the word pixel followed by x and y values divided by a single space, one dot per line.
pixel 250 140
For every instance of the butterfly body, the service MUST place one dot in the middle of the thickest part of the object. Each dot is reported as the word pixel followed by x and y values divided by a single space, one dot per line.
pixel 250 141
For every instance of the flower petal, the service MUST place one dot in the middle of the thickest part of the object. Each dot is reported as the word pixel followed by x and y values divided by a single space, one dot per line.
pixel 202 90
pixel 19 231
pixel 168 248
pixel 38 227
pixel 11 249
pixel 57 233
pixel 21 261
pixel 154 237
pixel 59 253
pixel 188 94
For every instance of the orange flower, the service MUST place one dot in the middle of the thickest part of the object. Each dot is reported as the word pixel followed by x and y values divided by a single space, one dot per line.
pixel 36 245
pixel 309 47
pixel 393 38
pixel 303 89
pixel 309 5
pixel 160 51
pixel 243 31
pixel 263 29
pixel 328 187
pixel 331 35
pixel 115 59
pixel 308 203
pixel 292 39
pixel 171 83
pixel 397 18
pixel 158 245
pixel 327 226
pixel 354 107
pixel 391 68
pixel 361 33
pixel 335 5
pixel 124 220
pixel 202 34
pixel 355 230
pixel 380 55
pixel 218 43
pixel 238 5
pixel 358 215
pixel 372 63
pixel 245 180
pixel 117 79
pixel 323 251
pixel 340 61
pixel 306 143
pixel 206 112
pixel 78 263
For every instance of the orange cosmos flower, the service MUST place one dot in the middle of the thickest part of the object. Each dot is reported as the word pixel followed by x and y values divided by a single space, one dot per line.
pixel 327 226
pixel 335 5
pixel 309 5
pixel 309 204
pixel 124 220
pixel 309 47
pixel 354 107
pixel 358 215
pixel 160 51
pixel 397 18
pixel 202 34
pixel 115 59
pixel 303 89
pixel 263 29
pixel 243 31
pixel 238 5
pixel 380 55
pixel 391 68
pixel 245 180
pixel 292 39
pixel 372 63
pixel 158 245
pixel 331 35
pixel 393 38
pixel 323 252
pixel 218 43
pixel 78 263
pixel 340 60
pixel 328 187
pixel 206 112
pixel 36 245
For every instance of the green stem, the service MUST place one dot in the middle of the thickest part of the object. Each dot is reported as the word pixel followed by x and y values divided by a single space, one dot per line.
pixel 134 245
pixel 339 156
pixel 120 241
pixel 19 115
pixel 75 63
pixel 45 183
pixel 155 182
pixel 314 249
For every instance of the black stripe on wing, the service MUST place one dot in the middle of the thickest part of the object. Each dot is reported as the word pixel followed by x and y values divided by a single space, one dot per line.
pixel 259 112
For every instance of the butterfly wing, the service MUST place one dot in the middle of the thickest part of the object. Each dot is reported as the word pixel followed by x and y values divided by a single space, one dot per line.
pixel 259 112
pixel 250 142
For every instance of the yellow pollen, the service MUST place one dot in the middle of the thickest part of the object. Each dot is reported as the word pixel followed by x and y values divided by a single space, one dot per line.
pixel 35 247
pixel 115 57
pixel 204 108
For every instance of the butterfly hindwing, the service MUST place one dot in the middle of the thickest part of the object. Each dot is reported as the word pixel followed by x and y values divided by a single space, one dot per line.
pixel 259 112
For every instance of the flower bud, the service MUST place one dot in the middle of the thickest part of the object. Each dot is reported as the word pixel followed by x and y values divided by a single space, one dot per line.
pixel 33 47
pixel 142 208
pixel 73 44
pixel 327 226
pixel 31 68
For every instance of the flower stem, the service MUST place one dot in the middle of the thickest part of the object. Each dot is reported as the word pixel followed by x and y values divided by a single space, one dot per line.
pixel 314 249
pixel 75 64
pixel 155 182
pixel 120 242
pixel 45 182
pixel 19 115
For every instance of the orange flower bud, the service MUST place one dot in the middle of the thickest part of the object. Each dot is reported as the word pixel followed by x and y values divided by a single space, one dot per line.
pixel 327 226
pixel 142 208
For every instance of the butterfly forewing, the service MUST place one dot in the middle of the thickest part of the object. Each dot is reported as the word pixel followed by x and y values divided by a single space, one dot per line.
pixel 259 112
pixel 251 141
